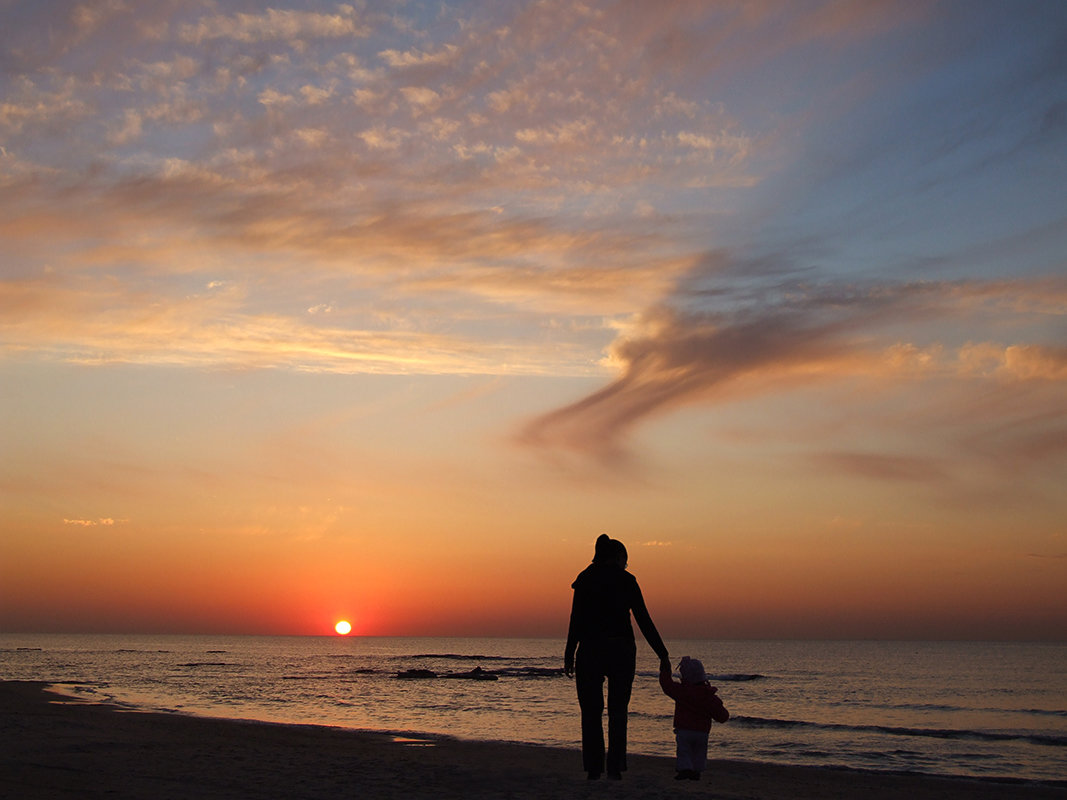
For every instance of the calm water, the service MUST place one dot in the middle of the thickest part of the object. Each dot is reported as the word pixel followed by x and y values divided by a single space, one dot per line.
pixel 977 709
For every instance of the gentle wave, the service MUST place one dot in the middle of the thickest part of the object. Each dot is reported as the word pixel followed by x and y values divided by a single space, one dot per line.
pixel 1041 712
pixel 1050 740
pixel 729 677
pixel 123 650
pixel 503 672
pixel 530 672
pixel 941 707
pixel 474 657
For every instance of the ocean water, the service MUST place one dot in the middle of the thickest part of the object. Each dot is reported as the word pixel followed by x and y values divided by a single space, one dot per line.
pixel 953 708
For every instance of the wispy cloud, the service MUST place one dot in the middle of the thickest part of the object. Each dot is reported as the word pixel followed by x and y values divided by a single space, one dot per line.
pixel 415 57
pixel 797 335
pixel 91 523
pixel 275 24
pixel 58 321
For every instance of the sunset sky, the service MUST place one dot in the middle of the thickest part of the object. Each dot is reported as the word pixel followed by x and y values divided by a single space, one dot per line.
pixel 385 310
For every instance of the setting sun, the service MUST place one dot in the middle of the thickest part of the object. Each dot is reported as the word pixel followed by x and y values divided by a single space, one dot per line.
pixel 343 627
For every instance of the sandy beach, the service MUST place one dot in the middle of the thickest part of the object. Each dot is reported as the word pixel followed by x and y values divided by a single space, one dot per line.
pixel 52 747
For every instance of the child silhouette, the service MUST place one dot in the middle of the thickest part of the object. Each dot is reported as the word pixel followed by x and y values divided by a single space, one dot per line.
pixel 695 705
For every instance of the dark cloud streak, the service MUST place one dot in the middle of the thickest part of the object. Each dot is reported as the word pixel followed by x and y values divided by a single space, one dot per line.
pixel 686 358
pixel 770 341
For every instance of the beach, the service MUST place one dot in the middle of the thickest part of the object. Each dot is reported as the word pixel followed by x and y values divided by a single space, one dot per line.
pixel 55 747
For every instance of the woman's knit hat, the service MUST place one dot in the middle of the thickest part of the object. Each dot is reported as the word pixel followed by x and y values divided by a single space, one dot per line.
pixel 602 549
pixel 609 550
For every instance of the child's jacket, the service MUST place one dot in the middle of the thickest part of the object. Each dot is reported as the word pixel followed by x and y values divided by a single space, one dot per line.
pixel 695 704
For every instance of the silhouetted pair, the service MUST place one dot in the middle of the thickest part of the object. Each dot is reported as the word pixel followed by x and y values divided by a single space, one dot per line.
pixel 601 646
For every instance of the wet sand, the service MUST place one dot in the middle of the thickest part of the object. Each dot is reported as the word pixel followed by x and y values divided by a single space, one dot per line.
pixel 52 747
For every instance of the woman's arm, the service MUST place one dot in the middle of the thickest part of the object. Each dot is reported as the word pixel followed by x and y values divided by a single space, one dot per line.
pixel 666 680
pixel 648 628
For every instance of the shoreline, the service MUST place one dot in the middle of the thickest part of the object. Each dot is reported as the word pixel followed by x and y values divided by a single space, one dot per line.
pixel 55 746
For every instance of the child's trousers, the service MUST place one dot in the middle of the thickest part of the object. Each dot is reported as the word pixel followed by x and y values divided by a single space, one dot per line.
pixel 692 749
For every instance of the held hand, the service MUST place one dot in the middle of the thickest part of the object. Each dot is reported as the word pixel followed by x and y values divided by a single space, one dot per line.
pixel 568 667
pixel 665 664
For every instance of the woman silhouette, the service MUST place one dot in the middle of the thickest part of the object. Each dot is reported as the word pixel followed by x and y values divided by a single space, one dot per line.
pixel 601 632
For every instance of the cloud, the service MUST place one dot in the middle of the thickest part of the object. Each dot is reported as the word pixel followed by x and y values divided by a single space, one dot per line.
pixel 735 148
pixel 315 95
pixel 795 335
pixel 678 358
pixel 382 138
pixel 37 107
pixel 128 130
pixel 564 133
pixel 93 325
pixel 87 17
pixel 272 97
pixel 1014 362
pixel 421 98
pixel 882 467
pixel 311 137
pixel 413 58
pixel 91 523
pixel 274 25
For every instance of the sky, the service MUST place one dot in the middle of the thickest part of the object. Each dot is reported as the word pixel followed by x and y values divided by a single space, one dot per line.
pixel 384 311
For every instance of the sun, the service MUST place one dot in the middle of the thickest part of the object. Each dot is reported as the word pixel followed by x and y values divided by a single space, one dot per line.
pixel 344 627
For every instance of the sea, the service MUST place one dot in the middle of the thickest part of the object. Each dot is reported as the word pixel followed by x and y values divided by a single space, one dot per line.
pixel 978 709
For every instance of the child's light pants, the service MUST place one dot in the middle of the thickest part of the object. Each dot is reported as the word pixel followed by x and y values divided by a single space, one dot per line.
pixel 692 749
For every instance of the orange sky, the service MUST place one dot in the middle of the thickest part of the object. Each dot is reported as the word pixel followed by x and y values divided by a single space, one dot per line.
pixel 382 313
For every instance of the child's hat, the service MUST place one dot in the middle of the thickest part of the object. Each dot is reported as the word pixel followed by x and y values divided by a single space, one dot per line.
pixel 691 670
